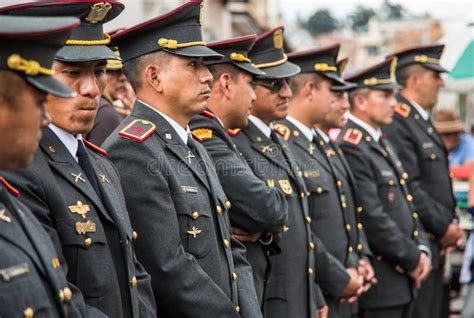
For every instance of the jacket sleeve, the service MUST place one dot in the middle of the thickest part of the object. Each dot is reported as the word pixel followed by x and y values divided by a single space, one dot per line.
pixel 160 249
pixel 384 235
pixel 434 216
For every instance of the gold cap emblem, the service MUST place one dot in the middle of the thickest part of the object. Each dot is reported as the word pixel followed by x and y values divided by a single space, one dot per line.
pixel 98 12
pixel 278 39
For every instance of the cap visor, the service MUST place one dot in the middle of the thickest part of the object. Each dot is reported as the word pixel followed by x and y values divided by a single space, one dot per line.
pixel 77 53
pixel 385 87
pixel 250 68
pixel 284 70
pixel 196 51
pixel 338 83
pixel 436 68
pixel 50 85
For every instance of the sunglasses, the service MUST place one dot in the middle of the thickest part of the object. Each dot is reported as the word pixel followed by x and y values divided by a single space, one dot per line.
pixel 273 85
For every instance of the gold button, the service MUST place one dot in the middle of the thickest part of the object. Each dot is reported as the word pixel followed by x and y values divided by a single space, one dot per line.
pixel 308 194
pixel 300 173
pixel 415 233
pixel 302 195
pixel 430 130
pixel 405 175
pixel 234 276
pixel 237 309
pixel 360 247
pixel 402 181
pixel 61 295
pixel 390 182
pixel 195 215
pixel 379 258
pixel 226 243
pixel 88 242
pixel 360 209
pixel 285 229
pixel 344 205
pixel 433 156
pixel 67 293
pixel 409 197
pixel 309 220
pixel 311 245
pixel 350 249
pixel 296 133
pixel 415 215
pixel 219 209
pixel 360 226
pixel 134 282
pixel 28 312
pixel 319 190
pixel 134 235
pixel 55 263
pixel 368 139
pixel 228 204
pixel 399 269
pixel 339 183
pixel 310 271
pixel 348 227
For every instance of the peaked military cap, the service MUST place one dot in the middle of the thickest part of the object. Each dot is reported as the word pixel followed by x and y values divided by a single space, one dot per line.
pixel 29 45
pixel 380 76
pixel 427 56
pixel 268 55
pixel 323 62
pixel 178 32
pixel 88 41
pixel 235 52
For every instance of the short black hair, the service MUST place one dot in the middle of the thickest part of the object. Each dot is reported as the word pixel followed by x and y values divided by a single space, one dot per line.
pixel 297 82
pixel 358 91
pixel 133 68
pixel 404 73
pixel 218 69
pixel 8 87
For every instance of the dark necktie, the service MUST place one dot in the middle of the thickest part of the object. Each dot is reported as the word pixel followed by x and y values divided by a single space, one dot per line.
pixel 86 166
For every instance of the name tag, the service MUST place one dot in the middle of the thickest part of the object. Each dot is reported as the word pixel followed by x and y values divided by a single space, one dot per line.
pixel 189 189
pixel 387 173
pixel 311 173
pixel 15 271
pixel 427 145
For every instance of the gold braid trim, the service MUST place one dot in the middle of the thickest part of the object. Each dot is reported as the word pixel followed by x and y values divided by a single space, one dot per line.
pixel 270 64
pixel 239 57
pixel 105 41
pixel 29 67
pixel 173 44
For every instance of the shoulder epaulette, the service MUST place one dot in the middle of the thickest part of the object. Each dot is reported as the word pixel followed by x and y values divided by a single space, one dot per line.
pixel 9 187
pixel 203 133
pixel 196 137
pixel 95 148
pixel 352 136
pixel 283 131
pixel 138 130
pixel 403 110
pixel 208 114
pixel 233 132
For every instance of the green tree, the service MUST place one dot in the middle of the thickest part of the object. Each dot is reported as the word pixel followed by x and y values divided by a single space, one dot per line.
pixel 360 17
pixel 321 22
pixel 392 11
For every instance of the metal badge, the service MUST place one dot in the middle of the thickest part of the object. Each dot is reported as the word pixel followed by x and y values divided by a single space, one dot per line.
pixel 78 177
pixel 98 12
pixel 14 271
pixel 80 209
pixel 285 186
pixel 194 232
pixel 87 227
pixel 4 217
pixel 278 39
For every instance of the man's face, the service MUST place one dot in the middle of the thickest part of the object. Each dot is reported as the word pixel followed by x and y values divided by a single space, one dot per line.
pixel 116 84
pixel 380 107
pixel 22 115
pixel 451 140
pixel 428 87
pixel 323 98
pixel 186 84
pixel 272 99
pixel 88 80
pixel 242 98
pixel 336 117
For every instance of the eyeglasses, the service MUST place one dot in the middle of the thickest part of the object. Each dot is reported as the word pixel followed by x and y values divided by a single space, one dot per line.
pixel 273 85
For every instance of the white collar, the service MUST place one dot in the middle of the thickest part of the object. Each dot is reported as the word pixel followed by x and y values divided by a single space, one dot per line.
pixel 374 133
pixel 183 133
pixel 323 135
pixel 69 140
pixel 423 113
pixel 307 132
pixel 264 128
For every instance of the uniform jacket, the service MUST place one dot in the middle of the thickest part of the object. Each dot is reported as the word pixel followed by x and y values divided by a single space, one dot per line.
pixel 388 216
pixel 292 290
pixel 91 231
pixel 255 207
pixel 182 214
pixel 425 159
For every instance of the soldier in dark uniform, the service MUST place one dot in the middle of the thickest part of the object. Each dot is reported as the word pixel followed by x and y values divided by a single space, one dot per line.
pixel 257 211
pixel 292 289
pixel 32 282
pixel 71 187
pixel 424 157
pixel 331 206
pixel 181 211
pixel 388 215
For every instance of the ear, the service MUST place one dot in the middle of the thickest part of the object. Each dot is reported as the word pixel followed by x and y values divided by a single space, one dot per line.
pixel 413 80
pixel 225 84
pixel 308 90
pixel 360 102
pixel 152 76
